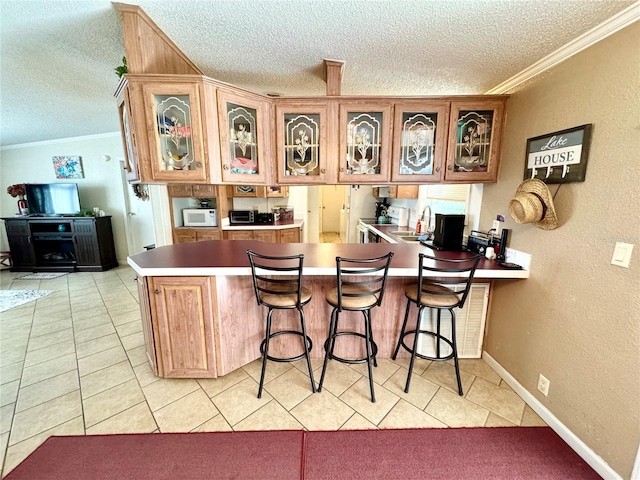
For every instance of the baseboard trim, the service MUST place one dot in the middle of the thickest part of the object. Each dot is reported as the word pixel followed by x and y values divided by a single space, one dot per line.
pixel 595 461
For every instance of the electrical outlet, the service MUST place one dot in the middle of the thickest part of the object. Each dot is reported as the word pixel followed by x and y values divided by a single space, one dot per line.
pixel 543 385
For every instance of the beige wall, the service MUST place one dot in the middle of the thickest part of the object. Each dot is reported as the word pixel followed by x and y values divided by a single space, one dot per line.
pixel 101 185
pixel 577 318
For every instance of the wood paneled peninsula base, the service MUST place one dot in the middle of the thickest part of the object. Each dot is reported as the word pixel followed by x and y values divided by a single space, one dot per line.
pixel 201 319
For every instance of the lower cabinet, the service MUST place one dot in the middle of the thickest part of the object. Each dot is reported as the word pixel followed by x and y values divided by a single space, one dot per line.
pixel 287 235
pixel 147 325
pixel 188 235
pixel 183 310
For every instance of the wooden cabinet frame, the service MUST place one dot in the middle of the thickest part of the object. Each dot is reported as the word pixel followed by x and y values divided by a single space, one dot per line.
pixel 325 142
pixel 491 174
pixel 441 109
pixel 383 107
pixel 264 144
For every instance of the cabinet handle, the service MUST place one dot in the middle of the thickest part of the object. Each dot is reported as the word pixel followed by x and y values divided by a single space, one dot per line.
pixel 156 291
pixel 450 167
pixel 342 169
pixel 225 167
pixel 198 164
pixel 323 170
pixel 437 169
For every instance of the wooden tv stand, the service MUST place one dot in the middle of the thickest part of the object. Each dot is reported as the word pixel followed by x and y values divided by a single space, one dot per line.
pixel 60 244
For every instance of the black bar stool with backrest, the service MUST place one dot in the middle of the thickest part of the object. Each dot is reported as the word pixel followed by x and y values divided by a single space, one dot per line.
pixel 277 282
pixel 434 293
pixel 360 287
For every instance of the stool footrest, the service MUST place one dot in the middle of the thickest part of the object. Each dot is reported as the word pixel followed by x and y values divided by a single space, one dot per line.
pixel 374 349
pixel 287 359
pixel 425 357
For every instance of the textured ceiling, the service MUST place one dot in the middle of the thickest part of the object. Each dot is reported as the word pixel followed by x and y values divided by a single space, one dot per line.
pixel 57 56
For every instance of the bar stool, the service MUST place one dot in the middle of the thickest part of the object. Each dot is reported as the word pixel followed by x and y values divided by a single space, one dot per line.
pixel 434 293
pixel 277 282
pixel 360 287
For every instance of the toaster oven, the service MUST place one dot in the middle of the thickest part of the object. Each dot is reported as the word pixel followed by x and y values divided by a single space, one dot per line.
pixel 242 217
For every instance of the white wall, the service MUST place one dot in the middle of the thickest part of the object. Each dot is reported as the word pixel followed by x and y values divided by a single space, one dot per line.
pixel 100 187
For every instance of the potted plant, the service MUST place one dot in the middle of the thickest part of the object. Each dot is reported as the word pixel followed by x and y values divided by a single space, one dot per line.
pixel 204 202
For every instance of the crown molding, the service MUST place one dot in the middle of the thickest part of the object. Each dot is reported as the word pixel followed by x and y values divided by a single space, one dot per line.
pixel 619 21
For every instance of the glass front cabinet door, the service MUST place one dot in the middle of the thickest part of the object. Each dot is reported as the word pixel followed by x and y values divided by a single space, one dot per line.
pixel 419 141
pixel 175 143
pixel 245 149
pixel 365 142
pixel 131 162
pixel 301 140
pixel 475 137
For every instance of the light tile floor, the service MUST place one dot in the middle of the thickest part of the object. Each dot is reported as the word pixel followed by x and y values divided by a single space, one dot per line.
pixel 330 237
pixel 73 363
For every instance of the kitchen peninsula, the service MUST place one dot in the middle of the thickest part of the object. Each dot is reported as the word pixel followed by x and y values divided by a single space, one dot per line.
pixel 201 320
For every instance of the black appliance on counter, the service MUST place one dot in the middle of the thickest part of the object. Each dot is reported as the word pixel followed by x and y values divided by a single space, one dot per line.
pixel 250 217
pixel 448 233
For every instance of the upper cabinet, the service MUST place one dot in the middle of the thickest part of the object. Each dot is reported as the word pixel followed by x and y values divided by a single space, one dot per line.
pixel 131 160
pixel 365 142
pixel 302 145
pixel 245 146
pixel 175 138
pixel 419 140
pixel 475 137
pixel 166 137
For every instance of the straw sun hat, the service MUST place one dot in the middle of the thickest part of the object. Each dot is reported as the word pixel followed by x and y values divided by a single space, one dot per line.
pixel 533 204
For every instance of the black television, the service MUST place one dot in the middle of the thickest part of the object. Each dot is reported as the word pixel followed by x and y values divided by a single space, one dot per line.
pixel 52 198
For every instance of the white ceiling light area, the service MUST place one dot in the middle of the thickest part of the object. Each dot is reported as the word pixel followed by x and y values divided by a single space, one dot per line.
pixel 58 57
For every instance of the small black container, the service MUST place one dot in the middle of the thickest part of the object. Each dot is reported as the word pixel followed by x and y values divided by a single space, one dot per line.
pixel 448 233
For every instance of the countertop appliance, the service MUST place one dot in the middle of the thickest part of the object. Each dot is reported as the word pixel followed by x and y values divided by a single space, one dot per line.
pixel 477 242
pixel 242 217
pixel 250 217
pixel 448 232
pixel 398 215
pixel 199 217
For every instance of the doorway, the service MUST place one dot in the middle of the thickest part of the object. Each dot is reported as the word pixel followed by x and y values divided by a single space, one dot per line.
pixel 334 213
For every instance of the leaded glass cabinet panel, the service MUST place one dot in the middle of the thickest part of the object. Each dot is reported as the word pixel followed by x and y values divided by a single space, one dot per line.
pixel 176 140
pixel 419 139
pixel 365 137
pixel 301 142
pixel 245 149
pixel 475 133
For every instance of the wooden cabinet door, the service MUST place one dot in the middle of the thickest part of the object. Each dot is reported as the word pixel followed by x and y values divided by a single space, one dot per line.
pixel 175 132
pixel 365 142
pixel 127 129
pixel 204 190
pixel 208 234
pixel 289 235
pixel 419 140
pixel 265 235
pixel 147 325
pixel 239 235
pixel 180 190
pixel 475 137
pixel 302 133
pixel 86 243
pixel 20 243
pixel 183 307
pixel 183 235
pixel 245 147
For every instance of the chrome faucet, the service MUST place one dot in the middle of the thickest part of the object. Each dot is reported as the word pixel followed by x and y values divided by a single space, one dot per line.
pixel 426 208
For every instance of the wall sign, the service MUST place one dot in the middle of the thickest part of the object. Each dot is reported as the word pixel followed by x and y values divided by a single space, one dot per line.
pixel 559 157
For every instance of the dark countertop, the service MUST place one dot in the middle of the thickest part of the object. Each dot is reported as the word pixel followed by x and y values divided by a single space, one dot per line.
pixel 229 257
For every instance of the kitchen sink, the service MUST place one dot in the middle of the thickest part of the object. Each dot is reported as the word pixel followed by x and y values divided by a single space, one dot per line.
pixel 408 238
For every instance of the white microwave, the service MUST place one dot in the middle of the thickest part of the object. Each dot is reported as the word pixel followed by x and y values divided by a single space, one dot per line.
pixel 200 217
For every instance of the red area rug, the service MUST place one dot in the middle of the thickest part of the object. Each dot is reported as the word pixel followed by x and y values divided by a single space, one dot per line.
pixel 454 453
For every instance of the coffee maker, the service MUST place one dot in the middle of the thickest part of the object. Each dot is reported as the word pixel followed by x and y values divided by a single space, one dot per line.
pixel 449 231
